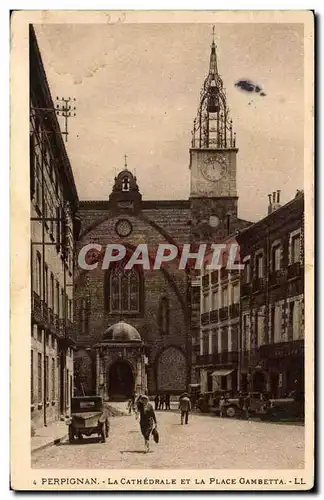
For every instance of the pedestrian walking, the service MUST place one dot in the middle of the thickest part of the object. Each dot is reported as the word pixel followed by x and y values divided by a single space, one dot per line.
pixel 147 420
pixel 167 401
pixel 157 402
pixel 184 407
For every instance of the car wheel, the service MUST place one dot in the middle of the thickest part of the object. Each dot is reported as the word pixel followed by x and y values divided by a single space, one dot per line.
pixel 71 434
pixel 231 412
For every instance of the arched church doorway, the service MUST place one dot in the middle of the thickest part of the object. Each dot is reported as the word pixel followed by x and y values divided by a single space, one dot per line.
pixel 171 371
pixel 121 381
pixel 259 382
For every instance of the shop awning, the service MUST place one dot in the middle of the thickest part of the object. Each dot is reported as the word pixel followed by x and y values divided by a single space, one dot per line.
pixel 221 373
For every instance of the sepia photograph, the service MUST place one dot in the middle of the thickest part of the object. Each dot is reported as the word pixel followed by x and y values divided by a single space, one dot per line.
pixel 162 314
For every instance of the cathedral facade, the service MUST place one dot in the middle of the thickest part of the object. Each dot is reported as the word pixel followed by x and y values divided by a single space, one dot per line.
pixel 139 328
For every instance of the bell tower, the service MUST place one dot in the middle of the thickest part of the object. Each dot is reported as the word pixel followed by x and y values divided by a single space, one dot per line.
pixel 213 154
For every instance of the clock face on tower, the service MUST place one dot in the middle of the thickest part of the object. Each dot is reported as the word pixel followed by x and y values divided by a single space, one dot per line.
pixel 214 168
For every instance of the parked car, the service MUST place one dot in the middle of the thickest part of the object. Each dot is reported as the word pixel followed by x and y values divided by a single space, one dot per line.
pixel 205 402
pixel 210 402
pixel 290 408
pixel 88 417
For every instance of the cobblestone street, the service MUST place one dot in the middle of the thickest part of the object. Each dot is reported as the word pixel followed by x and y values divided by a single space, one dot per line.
pixel 207 442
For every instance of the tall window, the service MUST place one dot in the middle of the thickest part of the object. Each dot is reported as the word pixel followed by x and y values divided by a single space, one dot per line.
pixel 205 343
pixel 38 273
pixel 215 299
pixel 57 311
pixel 122 290
pixel 39 377
pixel 247 271
pixel 276 323
pixel 235 293
pixel 46 284
pixel 259 328
pixel 224 340
pixel 224 296
pixel 296 320
pixel 52 292
pixel 214 341
pixel 295 249
pixel 276 258
pixel 259 265
pixel 206 303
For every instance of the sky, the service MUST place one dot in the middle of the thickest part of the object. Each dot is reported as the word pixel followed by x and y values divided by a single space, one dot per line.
pixel 137 90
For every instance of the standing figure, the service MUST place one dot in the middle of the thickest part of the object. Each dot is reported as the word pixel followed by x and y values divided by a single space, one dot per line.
pixel 246 406
pixel 129 406
pixel 162 400
pixel 156 402
pixel 184 407
pixel 241 404
pixel 167 401
pixel 222 406
pixel 147 420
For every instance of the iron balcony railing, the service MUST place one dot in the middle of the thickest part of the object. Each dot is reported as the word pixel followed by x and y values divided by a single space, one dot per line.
pixel 234 310
pixel 282 349
pixel 294 270
pixel 205 280
pixel 223 313
pixel 205 318
pixel 214 316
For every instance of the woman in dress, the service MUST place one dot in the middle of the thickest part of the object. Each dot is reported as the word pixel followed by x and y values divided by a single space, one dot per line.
pixel 147 420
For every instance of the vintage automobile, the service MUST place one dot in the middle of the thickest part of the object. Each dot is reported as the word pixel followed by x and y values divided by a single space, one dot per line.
pixel 88 417
pixel 290 408
pixel 210 402
pixel 258 402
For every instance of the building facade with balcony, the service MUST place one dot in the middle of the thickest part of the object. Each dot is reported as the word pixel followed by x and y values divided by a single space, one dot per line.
pixel 218 362
pixel 53 202
pixel 272 300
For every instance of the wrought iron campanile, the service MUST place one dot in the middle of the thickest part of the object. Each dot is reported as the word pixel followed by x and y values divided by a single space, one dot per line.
pixel 213 127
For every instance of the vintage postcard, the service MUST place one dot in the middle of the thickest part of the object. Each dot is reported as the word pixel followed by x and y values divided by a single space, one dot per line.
pixel 162 250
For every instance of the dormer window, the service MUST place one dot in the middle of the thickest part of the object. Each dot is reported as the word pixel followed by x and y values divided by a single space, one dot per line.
pixel 125 184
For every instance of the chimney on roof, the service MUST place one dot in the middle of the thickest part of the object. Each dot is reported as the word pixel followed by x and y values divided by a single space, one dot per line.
pixel 274 201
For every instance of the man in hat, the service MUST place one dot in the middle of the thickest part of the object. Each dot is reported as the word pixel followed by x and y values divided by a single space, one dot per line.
pixel 184 407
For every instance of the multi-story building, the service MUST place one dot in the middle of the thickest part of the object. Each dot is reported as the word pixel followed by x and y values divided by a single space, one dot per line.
pixel 219 333
pixel 272 299
pixel 54 202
